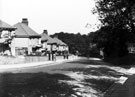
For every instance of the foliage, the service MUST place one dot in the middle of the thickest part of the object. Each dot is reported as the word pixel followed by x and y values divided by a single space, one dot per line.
pixel 117 18
pixel 116 13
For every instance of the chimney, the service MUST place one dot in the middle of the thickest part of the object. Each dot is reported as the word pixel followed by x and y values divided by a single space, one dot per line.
pixel 25 21
pixel 45 32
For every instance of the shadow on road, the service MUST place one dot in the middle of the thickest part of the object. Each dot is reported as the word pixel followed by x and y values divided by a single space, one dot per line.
pixel 34 85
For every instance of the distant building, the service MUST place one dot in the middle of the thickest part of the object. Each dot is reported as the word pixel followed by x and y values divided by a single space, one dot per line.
pixel 26 40
pixel 23 40
pixel 52 44
pixel 6 36
pixel 61 45
pixel 48 43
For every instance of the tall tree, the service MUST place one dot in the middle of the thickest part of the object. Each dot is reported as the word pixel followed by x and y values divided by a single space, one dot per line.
pixel 116 13
pixel 117 18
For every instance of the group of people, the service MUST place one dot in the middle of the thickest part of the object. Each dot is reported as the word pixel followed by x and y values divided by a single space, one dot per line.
pixel 65 54
pixel 52 55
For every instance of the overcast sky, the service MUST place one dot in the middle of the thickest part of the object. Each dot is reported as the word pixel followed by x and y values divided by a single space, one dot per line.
pixel 53 15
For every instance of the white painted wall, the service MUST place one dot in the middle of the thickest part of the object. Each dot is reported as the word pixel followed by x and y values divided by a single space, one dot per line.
pixel 24 43
pixel 54 47
pixel 20 42
pixel 62 48
pixel 44 45
pixel 48 47
pixel 34 41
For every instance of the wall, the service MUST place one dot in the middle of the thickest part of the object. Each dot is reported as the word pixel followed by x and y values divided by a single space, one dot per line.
pixel 53 47
pixel 24 43
pixel 62 48
pixel 20 42
pixel 34 41
pixel 44 45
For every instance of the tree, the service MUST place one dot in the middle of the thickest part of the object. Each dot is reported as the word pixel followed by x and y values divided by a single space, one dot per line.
pixel 117 18
pixel 116 13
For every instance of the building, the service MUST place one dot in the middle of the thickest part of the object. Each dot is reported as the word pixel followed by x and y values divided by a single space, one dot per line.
pixel 6 36
pixel 52 44
pixel 61 45
pixel 26 40
pixel 48 43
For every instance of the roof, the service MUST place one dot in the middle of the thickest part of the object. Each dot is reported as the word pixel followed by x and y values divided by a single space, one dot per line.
pixel 6 26
pixel 45 37
pixel 25 31
pixel 59 42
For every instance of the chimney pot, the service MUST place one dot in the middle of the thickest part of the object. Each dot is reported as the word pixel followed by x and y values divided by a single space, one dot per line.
pixel 25 21
pixel 45 32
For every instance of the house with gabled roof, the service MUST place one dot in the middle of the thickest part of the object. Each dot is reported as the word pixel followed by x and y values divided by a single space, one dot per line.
pixel 61 45
pixel 26 40
pixel 48 43
pixel 6 33
pixel 5 26
pixel 52 44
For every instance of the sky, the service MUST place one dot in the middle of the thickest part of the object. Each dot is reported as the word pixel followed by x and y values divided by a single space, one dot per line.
pixel 70 16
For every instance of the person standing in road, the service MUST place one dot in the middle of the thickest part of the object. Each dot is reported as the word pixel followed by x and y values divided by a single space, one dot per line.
pixel 102 53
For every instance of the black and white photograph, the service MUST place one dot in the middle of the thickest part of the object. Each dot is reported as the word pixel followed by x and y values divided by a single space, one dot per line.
pixel 67 48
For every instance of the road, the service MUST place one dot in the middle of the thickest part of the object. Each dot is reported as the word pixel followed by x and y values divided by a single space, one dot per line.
pixel 52 68
pixel 37 81
pixel 80 78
